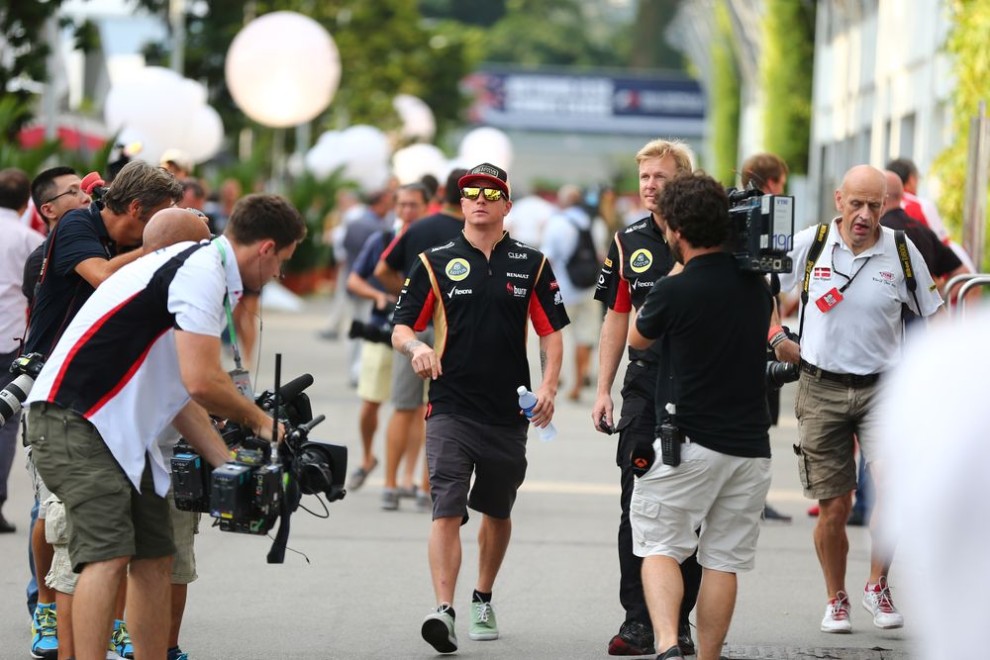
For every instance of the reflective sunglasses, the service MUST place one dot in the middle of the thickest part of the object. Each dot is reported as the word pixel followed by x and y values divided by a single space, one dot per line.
pixel 491 194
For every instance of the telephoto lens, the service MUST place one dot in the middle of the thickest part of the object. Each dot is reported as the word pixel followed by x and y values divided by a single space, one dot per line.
pixel 12 396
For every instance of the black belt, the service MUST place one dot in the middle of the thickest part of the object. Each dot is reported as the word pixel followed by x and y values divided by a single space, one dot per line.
pixel 849 380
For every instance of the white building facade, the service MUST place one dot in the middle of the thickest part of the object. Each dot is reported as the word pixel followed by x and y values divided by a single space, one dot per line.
pixel 882 86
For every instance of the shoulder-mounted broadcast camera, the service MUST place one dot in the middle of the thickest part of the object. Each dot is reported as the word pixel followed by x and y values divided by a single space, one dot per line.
pixel 261 484
pixel 762 230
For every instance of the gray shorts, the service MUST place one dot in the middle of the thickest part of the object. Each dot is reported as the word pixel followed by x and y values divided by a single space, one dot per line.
pixel 107 517
pixel 60 576
pixel 457 446
pixel 831 417
pixel 185 525
pixel 409 391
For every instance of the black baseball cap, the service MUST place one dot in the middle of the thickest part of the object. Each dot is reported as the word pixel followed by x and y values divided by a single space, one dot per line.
pixel 487 173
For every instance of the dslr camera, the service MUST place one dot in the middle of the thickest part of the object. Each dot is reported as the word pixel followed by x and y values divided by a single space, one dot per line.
pixel 249 493
pixel 373 332
pixel 26 369
pixel 780 373
pixel 762 230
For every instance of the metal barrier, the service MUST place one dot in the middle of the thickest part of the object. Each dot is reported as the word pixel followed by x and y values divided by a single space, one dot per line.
pixel 965 282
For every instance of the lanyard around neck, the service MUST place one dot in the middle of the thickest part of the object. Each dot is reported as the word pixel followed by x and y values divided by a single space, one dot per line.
pixel 854 275
pixel 226 304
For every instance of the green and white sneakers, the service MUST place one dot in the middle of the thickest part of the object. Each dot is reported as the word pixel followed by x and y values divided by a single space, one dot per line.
pixel 483 625
pixel 438 629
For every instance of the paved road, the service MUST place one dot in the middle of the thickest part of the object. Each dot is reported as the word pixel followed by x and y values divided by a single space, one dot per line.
pixel 363 587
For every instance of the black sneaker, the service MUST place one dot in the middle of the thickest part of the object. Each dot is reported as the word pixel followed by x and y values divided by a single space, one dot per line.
pixel 673 653
pixel 634 638
pixel 771 514
pixel 684 641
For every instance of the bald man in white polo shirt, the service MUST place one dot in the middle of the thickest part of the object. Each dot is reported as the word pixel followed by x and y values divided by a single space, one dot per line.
pixel 852 334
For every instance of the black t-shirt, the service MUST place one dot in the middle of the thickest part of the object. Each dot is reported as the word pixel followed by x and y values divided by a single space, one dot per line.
pixel 422 235
pixel 713 319
pixel 939 257
pixel 480 308
pixel 78 236
pixel 637 259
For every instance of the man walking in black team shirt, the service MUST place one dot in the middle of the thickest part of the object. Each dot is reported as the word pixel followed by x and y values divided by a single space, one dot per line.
pixel 637 258
pixel 480 289
pixel 712 460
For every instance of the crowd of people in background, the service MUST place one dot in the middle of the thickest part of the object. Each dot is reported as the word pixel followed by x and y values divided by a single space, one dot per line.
pixel 438 262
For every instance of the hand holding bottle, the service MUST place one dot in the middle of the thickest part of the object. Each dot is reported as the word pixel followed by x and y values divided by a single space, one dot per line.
pixel 539 415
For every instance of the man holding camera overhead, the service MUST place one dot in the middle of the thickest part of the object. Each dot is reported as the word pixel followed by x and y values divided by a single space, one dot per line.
pixel 710 467
pixel 116 378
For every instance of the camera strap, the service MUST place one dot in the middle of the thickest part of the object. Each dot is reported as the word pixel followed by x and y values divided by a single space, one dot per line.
pixel 816 251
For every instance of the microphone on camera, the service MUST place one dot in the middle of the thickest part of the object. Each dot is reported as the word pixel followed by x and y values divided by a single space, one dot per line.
pixel 295 387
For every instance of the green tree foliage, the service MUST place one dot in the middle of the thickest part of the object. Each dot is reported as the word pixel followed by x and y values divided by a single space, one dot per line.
pixel 971 69
pixel 385 49
pixel 553 32
pixel 786 72
pixel 650 49
pixel 723 99
pixel 24 53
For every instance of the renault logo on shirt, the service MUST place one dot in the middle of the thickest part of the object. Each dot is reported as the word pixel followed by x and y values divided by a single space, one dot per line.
pixel 641 260
pixel 457 269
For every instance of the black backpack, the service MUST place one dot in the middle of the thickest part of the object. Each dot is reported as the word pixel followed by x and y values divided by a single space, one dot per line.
pixel 583 266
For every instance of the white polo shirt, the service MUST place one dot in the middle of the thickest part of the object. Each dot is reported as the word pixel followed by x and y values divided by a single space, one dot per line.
pixel 861 334
pixel 117 364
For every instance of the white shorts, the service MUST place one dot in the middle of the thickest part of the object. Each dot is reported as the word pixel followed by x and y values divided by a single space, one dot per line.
pixel 723 495
pixel 375 381
pixel 586 321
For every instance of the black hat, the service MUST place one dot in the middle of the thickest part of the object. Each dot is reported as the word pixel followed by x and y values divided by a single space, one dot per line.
pixel 488 173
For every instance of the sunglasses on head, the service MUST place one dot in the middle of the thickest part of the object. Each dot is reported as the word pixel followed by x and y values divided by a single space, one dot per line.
pixel 491 194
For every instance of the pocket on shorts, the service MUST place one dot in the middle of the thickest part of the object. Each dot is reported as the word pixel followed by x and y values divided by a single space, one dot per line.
pixel 56 528
pixel 644 515
pixel 803 473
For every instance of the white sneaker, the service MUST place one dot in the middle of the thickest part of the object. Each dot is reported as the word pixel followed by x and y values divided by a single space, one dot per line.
pixel 878 603
pixel 836 618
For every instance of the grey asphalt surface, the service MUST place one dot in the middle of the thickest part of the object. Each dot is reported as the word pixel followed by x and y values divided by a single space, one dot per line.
pixel 360 587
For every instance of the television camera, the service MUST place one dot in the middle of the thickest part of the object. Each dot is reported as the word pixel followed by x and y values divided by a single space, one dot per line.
pixel 263 482
pixel 762 230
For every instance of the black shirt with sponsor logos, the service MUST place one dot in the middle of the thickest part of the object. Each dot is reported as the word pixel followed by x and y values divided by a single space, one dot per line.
pixel 938 256
pixel 717 353
pixel 61 291
pixel 637 259
pixel 480 308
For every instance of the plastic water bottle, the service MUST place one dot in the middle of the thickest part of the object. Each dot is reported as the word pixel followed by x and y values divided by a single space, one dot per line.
pixel 527 401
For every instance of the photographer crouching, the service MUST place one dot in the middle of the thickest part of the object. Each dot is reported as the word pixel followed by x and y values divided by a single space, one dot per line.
pixel 143 352
pixel 710 464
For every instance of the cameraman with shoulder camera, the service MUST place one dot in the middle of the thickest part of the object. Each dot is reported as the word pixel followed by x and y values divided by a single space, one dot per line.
pixel 114 381
pixel 712 459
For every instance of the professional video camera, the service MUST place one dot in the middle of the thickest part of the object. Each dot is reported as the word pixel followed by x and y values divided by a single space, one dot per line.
pixel 26 367
pixel 762 230
pixel 373 332
pixel 249 493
